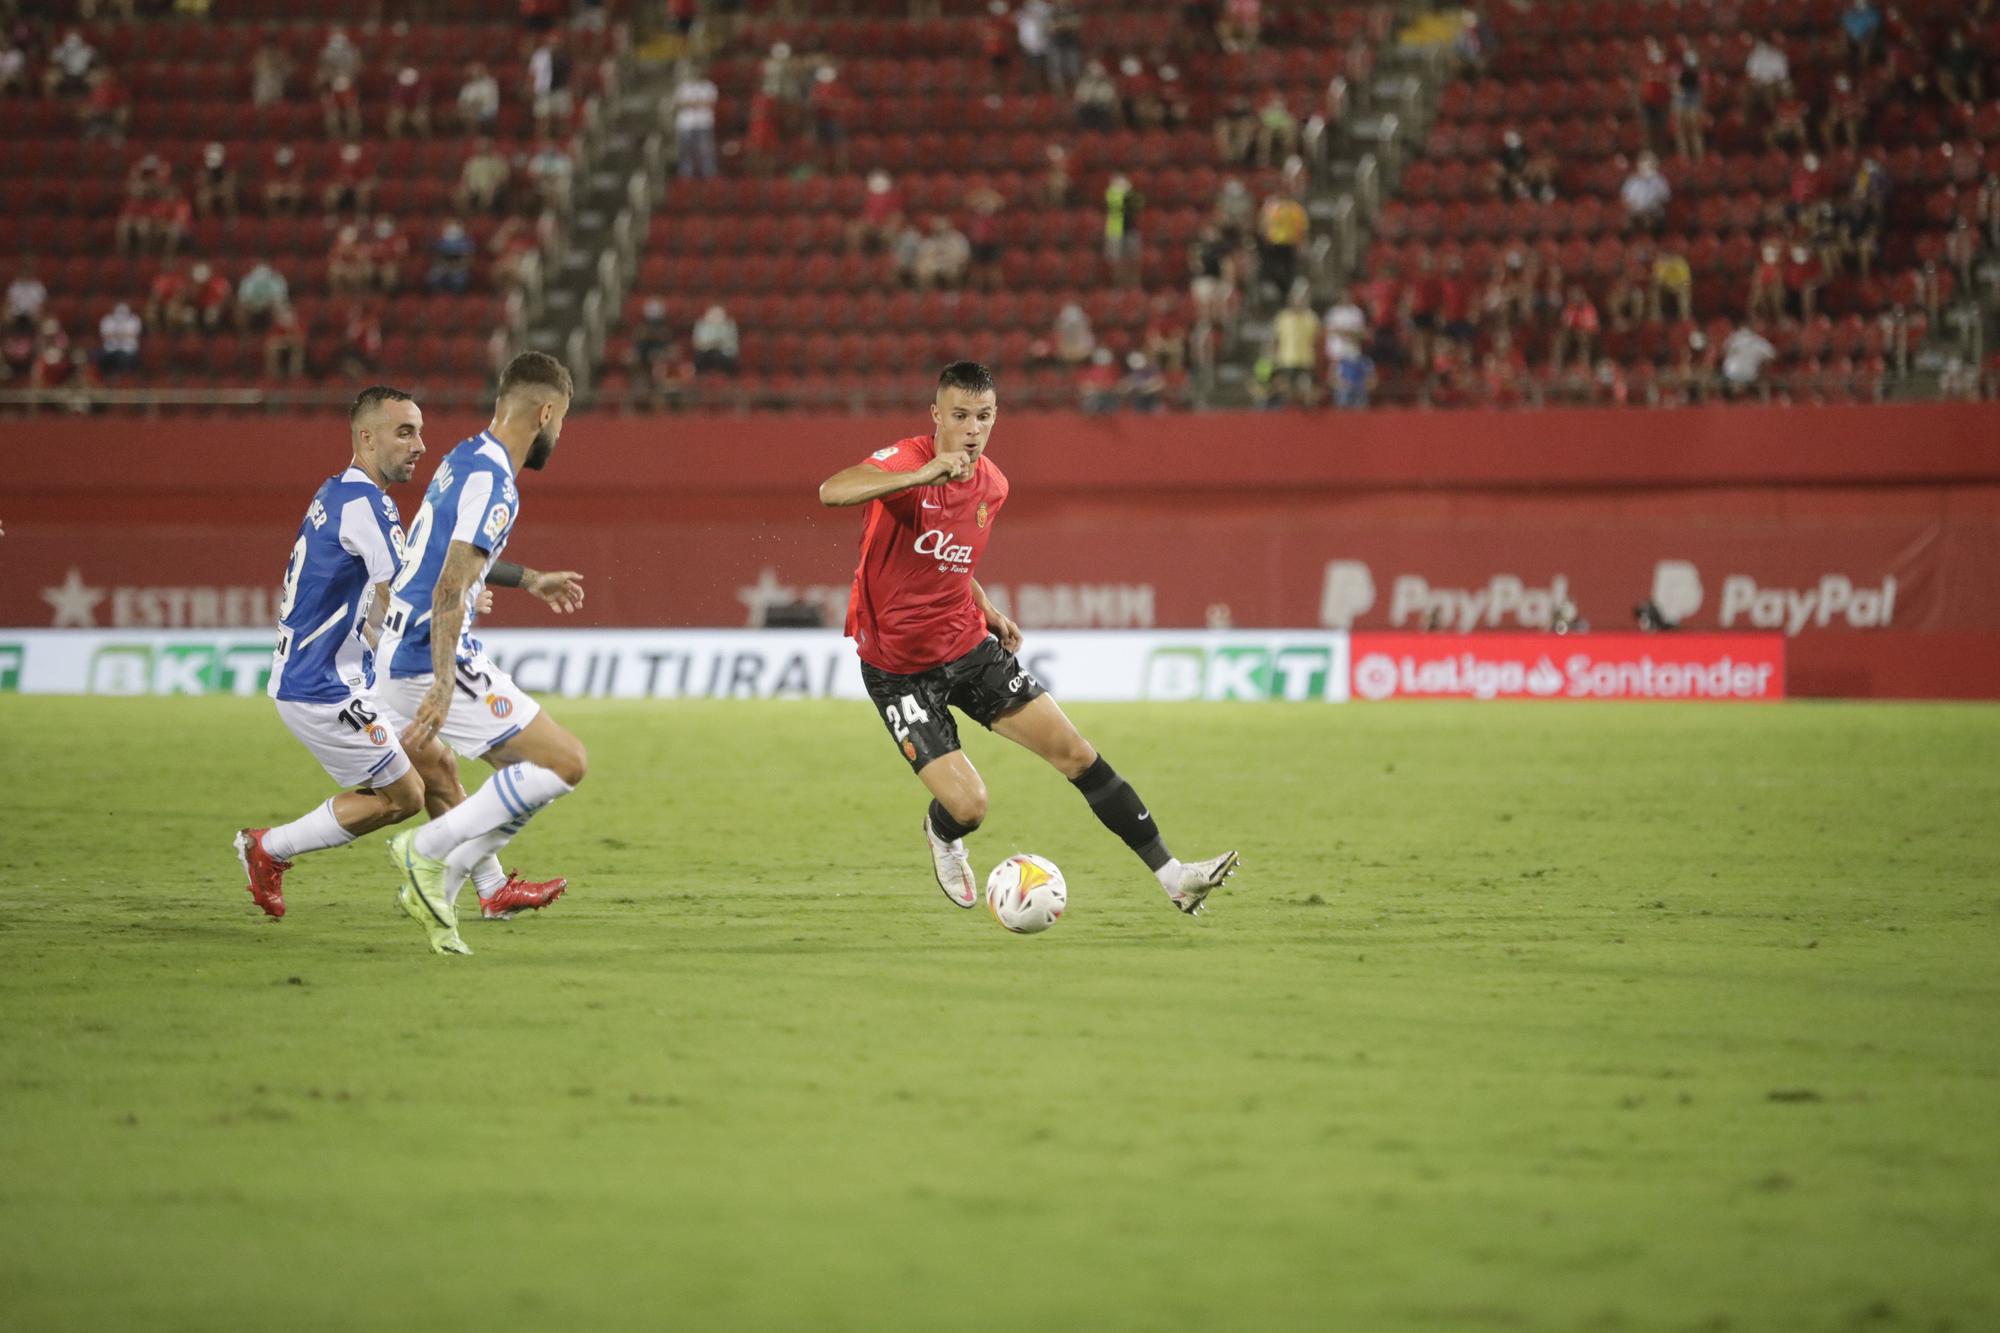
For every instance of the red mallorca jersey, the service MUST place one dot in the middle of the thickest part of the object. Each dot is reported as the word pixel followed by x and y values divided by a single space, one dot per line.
pixel 912 608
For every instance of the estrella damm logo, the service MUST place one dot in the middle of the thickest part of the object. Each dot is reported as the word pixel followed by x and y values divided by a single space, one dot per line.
pixel 1295 671
pixel 501 706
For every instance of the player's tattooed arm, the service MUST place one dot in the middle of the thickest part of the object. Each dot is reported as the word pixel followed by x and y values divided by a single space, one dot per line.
pixel 561 589
pixel 997 620
pixel 462 565
pixel 378 607
pixel 864 481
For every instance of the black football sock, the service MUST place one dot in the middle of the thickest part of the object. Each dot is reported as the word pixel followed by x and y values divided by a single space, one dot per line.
pixel 946 827
pixel 1119 809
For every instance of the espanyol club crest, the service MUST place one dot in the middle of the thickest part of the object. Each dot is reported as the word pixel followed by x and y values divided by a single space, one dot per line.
pixel 980 517
pixel 499 705
pixel 378 734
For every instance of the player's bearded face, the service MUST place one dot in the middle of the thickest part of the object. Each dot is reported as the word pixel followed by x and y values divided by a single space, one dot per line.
pixel 545 441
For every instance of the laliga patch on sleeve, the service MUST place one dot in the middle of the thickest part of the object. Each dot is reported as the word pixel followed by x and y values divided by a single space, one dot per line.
pixel 881 454
pixel 496 521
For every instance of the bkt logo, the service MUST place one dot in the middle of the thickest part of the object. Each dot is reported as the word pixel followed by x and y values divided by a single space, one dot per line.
pixel 1347 593
pixel 10 667
pixel 938 546
pixel 181 668
pixel 1297 672
pixel 1677 592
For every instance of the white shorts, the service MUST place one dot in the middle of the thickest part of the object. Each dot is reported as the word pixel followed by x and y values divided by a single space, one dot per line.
pixel 355 742
pixel 487 707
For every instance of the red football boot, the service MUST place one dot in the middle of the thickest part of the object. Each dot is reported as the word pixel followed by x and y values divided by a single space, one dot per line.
pixel 266 872
pixel 520 895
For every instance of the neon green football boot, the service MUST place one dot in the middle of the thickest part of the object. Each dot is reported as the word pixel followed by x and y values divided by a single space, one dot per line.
pixel 422 894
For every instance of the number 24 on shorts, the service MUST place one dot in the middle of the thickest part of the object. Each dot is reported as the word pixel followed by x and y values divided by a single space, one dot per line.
pixel 902 718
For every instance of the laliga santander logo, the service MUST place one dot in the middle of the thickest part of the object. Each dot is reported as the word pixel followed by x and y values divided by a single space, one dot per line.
pixel 1466 674
pixel 1375 676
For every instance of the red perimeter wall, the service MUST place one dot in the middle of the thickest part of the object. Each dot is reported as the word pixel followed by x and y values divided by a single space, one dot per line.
pixel 1871 534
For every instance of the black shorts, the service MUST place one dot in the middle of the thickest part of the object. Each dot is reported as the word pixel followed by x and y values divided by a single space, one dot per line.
pixel 986 684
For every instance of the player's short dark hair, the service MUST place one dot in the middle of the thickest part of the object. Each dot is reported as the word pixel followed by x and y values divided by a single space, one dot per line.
pixel 536 370
pixel 970 376
pixel 374 396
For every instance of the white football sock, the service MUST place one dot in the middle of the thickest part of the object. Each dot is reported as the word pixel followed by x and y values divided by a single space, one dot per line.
pixel 1169 875
pixel 475 855
pixel 310 832
pixel 513 792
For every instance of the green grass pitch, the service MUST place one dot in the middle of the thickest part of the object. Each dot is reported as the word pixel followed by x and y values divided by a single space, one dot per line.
pixel 1534 1017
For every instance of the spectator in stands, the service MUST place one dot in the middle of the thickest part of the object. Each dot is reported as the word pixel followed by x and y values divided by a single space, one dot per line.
pixel 1959 75
pixel 695 97
pixel 1503 372
pixel 1241 26
pixel 26 294
pixel 388 250
pixel 209 293
pixel 1282 226
pixel 1645 195
pixel 107 109
pixel 1175 105
pixel 513 248
pixel 482 178
pixel 1065 44
pixel 717 348
pixel 832 106
pixel 69 64
pixel 260 292
pixel 1209 280
pixel 17 347
pixel 361 341
pixel 172 214
pixel 1097 383
pixel 1296 335
pixel 1032 35
pixel 215 184
pixel 284 182
pixel 478 100
pixel 904 250
pixel 1576 329
pixel 1074 338
pixel 1652 92
pixel 982 233
pixel 1846 119
pixel 1096 98
pixel 552 171
pixel 1861 27
pixel 1056 183
pixel 353 183
pixel 1165 336
pixel 1744 356
pixel 1235 133
pixel 409 104
pixel 1766 298
pixel 1808 188
pixel 340 108
pixel 1277 130
pixel 943 257
pixel 1349 370
pixel 118 340
pixel 270 74
pixel 450 267
pixel 1860 212
pixel 168 302
pixel 1456 298
pixel 13 67
pixel 1786 130
pixel 995 36
pixel 339 58
pixel 1629 300
pixel 550 69
pixel 881 215
pixel 285 345
pixel 1803 276
pixel 1692 373
pixel 1767 69
pixel 349 271
pixel 1123 249
pixel 1691 108
pixel 1961 251
pixel 763 135
pixel 1144 387
pixel 1673 283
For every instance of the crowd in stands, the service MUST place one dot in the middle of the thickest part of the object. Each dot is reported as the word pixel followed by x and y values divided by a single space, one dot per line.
pixel 265 242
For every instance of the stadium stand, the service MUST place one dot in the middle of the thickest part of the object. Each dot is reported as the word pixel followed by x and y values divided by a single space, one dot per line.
pixel 139 148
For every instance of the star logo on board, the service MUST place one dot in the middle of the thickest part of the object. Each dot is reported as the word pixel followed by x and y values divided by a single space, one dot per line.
pixel 75 602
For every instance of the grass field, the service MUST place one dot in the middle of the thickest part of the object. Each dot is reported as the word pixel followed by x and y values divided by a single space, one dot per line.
pixel 1534 1017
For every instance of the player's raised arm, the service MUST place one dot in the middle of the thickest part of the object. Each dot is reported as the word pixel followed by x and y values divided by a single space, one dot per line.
pixel 864 481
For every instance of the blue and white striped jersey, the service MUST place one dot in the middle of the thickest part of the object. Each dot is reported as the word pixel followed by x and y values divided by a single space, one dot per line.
pixel 349 541
pixel 471 498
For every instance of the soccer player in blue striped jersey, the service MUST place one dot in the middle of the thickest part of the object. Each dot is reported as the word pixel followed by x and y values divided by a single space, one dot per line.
pixel 440 676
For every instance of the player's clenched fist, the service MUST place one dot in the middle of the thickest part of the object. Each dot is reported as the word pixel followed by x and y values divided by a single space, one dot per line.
pixel 953 467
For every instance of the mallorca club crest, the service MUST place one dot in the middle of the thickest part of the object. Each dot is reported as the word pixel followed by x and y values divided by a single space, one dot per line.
pixel 910 751
pixel 980 517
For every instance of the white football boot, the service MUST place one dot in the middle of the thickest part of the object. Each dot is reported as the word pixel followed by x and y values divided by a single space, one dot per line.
pixel 1199 879
pixel 953 868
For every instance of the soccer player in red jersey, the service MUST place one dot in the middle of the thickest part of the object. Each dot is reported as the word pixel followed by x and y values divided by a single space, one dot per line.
pixel 930 640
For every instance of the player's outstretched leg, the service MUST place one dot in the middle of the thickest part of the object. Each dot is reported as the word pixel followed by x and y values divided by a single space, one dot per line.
pixel 1040 725
pixel 958 806
pixel 267 853
pixel 501 893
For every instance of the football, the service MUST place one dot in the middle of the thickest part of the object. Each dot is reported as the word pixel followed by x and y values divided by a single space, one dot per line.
pixel 1026 893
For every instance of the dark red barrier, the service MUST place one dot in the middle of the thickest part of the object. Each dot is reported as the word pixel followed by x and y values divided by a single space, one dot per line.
pixel 1853 530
